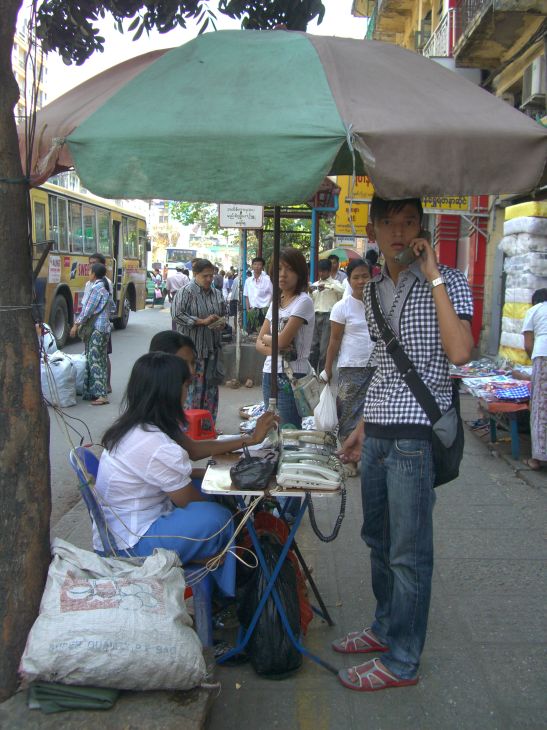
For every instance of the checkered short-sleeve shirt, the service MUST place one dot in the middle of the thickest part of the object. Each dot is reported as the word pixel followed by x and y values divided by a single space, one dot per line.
pixel 390 408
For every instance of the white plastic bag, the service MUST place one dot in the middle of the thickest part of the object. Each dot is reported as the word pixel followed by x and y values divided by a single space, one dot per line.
pixel 48 343
pixel 326 417
pixel 58 380
pixel 79 363
pixel 112 622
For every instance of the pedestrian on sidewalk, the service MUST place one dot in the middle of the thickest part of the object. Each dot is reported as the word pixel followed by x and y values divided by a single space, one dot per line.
pixel 350 342
pixel 534 329
pixel 176 281
pixel 296 322
pixel 325 292
pixel 429 306
pixel 97 305
pixel 258 295
pixel 335 270
pixel 98 258
pixel 158 297
pixel 195 309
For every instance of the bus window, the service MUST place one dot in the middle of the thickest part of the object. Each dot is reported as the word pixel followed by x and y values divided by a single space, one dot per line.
pixel 129 226
pixel 103 229
pixel 90 229
pixel 39 222
pixel 58 222
pixel 63 225
pixel 76 237
pixel 142 246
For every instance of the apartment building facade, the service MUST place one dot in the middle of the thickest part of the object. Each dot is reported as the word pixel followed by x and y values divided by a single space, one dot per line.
pixel 501 45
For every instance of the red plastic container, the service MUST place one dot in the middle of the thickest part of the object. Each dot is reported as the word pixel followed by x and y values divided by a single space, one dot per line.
pixel 200 424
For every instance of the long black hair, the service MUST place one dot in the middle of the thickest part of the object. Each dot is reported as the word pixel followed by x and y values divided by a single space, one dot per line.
pixel 100 273
pixel 152 397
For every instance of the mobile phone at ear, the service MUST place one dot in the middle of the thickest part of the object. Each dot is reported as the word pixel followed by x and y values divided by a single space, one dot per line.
pixel 407 255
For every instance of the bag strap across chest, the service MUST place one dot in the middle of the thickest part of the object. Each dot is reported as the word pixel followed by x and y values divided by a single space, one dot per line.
pixel 402 362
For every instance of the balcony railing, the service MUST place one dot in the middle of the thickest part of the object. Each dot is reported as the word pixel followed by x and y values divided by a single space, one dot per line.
pixel 442 39
pixel 466 11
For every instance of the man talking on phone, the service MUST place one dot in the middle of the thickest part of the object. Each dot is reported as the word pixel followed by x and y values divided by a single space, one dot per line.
pixel 429 307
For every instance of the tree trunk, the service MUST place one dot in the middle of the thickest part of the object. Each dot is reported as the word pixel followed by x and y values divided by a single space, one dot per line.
pixel 25 499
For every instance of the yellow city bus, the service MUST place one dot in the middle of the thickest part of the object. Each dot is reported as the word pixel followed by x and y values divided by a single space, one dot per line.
pixel 72 226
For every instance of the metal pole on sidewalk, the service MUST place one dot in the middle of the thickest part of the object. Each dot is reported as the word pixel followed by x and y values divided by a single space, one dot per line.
pixel 275 298
pixel 243 276
pixel 238 312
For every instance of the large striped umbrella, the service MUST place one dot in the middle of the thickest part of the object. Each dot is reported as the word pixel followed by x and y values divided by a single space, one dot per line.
pixel 344 254
pixel 262 116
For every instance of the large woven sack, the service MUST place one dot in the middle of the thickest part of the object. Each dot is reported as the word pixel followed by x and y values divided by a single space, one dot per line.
pixel 112 622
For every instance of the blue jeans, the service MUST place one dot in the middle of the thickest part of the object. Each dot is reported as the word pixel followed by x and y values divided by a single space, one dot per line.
pixel 286 404
pixel 288 414
pixel 398 499
pixel 201 523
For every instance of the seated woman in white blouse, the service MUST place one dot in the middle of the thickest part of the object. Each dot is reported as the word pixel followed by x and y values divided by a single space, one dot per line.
pixel 144 479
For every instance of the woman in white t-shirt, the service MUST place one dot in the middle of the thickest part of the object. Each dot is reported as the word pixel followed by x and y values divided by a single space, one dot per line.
pixel 144 482
pixel 296 323
pixel 350 340
pixel 534 330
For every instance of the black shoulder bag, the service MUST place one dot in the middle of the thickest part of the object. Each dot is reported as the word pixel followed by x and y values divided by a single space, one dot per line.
pixel 447 428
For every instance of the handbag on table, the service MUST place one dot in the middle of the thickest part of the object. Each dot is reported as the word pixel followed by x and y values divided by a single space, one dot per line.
pixel 253 472
pixel 447 428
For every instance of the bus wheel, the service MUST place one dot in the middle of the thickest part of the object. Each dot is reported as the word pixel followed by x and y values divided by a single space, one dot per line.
pixel 58 320
pixel 120 323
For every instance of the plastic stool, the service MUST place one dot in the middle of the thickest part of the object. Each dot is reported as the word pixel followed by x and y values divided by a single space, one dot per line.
pixel 200 424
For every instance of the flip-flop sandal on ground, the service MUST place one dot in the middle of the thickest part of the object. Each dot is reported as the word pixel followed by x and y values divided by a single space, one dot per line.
pixel 100 402
pixel 370 677
pixel 533 464
pixel 358 642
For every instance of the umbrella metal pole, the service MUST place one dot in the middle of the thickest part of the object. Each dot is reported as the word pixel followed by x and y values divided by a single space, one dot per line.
pixel 243 277
pixel 238 309
pixel 275 298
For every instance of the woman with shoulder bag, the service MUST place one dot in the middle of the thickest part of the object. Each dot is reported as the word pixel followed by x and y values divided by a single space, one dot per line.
pixel 350 342
pixel 296 323
pixel 93 326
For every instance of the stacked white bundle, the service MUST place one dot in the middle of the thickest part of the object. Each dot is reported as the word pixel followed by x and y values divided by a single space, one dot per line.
pixel 525 246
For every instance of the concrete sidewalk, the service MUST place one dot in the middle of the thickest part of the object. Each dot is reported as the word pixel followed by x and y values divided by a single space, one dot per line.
pixel 484 661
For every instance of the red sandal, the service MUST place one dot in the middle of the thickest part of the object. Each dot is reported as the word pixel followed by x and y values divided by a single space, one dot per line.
pixel 371 677
pixel 358 642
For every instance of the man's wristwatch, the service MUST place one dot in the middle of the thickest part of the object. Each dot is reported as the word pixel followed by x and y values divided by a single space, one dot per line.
pixel 436 282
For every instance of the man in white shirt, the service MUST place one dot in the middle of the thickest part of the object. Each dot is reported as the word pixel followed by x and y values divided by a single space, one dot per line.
pixel 176 281
pixel 258 294
pixel 326 291
pixel 335 268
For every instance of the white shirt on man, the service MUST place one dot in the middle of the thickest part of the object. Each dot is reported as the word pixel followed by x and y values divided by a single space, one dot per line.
pixel 259 291
pixel 340 276
pixel 302 307
pixel 535 320
pixel 176 281
pixel 134 481
pixel 324 300
pixel 356 347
